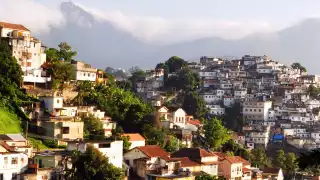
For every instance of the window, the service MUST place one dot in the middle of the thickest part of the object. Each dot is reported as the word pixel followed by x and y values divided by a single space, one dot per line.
pixel 14 160
pixel 65 130
pixel 5 160
pixel 22 160
pixel 58 101
pixel 14 176
pixel 105 145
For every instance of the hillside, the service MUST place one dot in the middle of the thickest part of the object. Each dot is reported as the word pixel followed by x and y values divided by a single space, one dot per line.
pixel 9 123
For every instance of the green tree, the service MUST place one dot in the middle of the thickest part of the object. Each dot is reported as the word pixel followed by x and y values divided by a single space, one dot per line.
pixel 279 159
pixel 9 67
pixel 135 76
pixel 215 133
pixel 92 164
pixel 61 72
pixel 175 64
pixel 237 149
pixel 259 158
pixel 65 52
pixel 83 88
pixel 194 105
pixel 313 91
pixel 290 164
pixel 186 80
pixel 125 84
pixel 52 55
pixel 310 161
pixel 297 65
pixel 207 177
pixel 155 136
pixel 126 143
pixel 93 128
pixel 172 144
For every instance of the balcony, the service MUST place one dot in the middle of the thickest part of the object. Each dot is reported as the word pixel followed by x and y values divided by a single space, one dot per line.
pixel 27 54
pixel 35 79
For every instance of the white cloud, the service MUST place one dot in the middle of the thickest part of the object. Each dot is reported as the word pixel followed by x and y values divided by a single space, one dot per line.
pixel 33 15
pixel 39 17
pixel 158 29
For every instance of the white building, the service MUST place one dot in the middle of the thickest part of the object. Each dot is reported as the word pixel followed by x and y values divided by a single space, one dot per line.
pixel 216 110
pixel 52 102
pixel 257 110
pixel 12 163
pixel 240 93
pixel 228 101
pixel 177 117
pixel 111 149
pixel 259 136
pixel 84 72
pixel 135 139
pixel 28 50
pixel 211 97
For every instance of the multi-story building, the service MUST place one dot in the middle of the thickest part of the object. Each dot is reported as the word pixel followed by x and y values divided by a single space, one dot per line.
pixel 84 72
pixel 12 163
pixel 17 143
pixel 256 110
pixel 111 149
pixel 29 52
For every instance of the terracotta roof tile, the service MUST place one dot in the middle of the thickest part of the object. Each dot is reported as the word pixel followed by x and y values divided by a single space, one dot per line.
pixel 194 122
pixel 153 151
pixel 13 26
pixel 236 159
pixel 186 162
pixel 133 136
pixel 192 153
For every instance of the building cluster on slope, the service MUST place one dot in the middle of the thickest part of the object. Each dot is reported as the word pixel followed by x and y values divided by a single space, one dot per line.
pixel 274 98
pixel 256 82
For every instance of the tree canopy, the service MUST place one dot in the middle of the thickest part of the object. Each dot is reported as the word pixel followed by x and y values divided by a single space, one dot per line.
pixel 93 128
pixel 194 105
pixel 186 80
pixel 175 64
pixel 92 164
pixel 259 158
pixel 310 160
pixel 297 65
pixel 215 133
pixel 122 106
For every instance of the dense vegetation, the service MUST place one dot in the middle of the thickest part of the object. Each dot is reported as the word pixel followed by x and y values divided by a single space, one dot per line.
pixel 92 164
pixel 11 96
pixel 60 69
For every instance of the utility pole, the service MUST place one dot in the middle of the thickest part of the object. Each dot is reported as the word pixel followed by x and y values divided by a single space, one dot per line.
pixel 27 128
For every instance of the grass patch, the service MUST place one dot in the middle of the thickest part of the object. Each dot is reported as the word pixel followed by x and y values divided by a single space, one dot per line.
pixel 9 122
pixel 37 144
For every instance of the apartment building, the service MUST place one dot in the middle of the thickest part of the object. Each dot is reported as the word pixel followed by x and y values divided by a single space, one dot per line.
pixel 113 150
pixel 17 143
pixel 28 50
pixel 12 163
pixel 84 72
pixel 257 110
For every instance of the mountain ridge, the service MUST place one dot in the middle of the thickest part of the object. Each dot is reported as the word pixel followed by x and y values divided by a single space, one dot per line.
pixel 101 44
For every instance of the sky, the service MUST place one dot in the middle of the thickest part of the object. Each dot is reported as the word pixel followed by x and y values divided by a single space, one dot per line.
pixel 169 21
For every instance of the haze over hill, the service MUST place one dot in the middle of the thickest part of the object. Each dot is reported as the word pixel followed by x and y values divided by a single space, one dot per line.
pixel 100 43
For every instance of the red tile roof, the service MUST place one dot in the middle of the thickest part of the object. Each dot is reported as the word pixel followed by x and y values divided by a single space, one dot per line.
pixel 133 136
pixel 13 26
pixel 220 155
pixel 194 122
pixel 153 151
pixel 236 159
pixel 186 162
pixel 192 153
